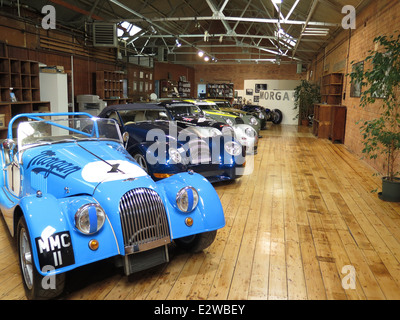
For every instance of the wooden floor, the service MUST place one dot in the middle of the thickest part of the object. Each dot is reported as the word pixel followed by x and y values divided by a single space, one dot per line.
pixel 302 225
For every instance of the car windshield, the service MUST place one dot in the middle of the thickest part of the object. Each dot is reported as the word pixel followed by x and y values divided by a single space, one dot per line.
pixel 184 110
pixel 208 106
pixel 223 104
pixel 129 116
pixel 32 133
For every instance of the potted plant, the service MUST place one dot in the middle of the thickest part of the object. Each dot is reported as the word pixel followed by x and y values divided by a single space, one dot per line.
pixel 380 83
pixel 305 96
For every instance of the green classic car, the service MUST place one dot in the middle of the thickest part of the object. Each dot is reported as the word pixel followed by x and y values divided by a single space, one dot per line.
pixel 229 115
pixel 225 105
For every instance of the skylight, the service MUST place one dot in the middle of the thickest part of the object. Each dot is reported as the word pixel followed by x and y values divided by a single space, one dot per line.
pixel 127 29
pixel 285 39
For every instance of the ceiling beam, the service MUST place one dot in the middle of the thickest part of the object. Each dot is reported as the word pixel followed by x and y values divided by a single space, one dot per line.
pixel 307 22
pixel 241 19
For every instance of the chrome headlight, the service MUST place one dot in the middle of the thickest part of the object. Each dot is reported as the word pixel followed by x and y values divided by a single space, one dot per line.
pixel 229 121
pixel 261 115
pixel 175 155
pixel 250 132
pixel 187 199
pixel 90 218
pixel 233 148
pixel 253 121
pixel 228 130
pixel 214 132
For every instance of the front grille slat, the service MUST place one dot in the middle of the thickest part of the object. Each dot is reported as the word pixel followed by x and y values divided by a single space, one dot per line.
pixel 143 219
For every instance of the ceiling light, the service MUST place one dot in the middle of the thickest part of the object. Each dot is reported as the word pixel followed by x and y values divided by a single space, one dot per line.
pixel 206 58
pixel 276 1
pixel 178 44
pixel 200 53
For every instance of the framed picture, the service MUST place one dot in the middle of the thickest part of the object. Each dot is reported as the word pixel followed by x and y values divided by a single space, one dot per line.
pixel 355 88
pixel 249 92
pixel 260 86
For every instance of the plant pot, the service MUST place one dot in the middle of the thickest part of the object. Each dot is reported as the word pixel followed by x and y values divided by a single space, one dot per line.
pixel 304 122
pixel 390 190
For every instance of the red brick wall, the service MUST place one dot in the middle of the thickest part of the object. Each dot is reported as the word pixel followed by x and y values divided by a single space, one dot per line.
pixel 236 74
pixel 378 18
pixel 165 70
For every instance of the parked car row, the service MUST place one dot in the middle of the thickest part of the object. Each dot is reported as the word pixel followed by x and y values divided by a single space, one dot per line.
pixel 77 189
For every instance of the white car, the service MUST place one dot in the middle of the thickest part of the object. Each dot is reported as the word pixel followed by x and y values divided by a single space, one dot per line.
pixel 243 133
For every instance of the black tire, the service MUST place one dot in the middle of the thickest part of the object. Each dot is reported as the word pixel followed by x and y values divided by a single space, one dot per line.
pixel 196 242
pixel 33 281
pixel 277 116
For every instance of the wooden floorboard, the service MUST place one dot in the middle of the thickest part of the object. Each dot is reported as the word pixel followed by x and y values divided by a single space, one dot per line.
pixel 296 223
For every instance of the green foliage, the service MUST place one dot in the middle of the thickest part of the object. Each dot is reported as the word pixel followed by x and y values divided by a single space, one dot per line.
pixel 305 96
pixel 381 82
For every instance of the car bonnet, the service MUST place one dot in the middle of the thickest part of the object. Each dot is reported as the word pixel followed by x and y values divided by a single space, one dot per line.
pixel 70 168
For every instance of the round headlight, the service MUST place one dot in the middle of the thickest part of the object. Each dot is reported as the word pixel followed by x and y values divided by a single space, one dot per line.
pixel 233 148
pixel 261 115
pixel 253 121
pixel 187 199
pixel 227 130
pixel 175 155
pixel 250 132
pixel 214 132
pixel 229 121
pixel 90 218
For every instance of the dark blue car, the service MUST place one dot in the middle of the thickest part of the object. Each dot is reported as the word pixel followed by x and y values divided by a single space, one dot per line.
pixel 163 148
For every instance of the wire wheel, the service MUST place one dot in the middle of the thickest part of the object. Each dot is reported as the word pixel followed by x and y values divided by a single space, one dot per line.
pixel 139 158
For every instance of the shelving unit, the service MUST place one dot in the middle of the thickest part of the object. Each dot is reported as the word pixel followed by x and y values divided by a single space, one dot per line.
pixel 330 115
pixel 220 90
pixel 168 88
pixel 110 88
pixel 19 90
pixel 332 87
pixel 184 89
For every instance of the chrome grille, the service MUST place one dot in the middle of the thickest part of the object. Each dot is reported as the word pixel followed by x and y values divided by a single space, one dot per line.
pixel 144 220
pixel 199 152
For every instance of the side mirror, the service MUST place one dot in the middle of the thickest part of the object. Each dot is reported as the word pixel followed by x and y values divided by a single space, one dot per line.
pixel 9 144
pixel 125 138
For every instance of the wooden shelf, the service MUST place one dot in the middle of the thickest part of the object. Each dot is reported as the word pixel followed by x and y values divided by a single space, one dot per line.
pixel 168 88
pixel 109 84
pixel 20 78
pixel 332 87
pixel 184 89
pixel 220 90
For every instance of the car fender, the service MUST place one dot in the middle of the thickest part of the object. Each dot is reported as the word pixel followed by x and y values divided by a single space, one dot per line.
pixel 207 216
pixel 56 244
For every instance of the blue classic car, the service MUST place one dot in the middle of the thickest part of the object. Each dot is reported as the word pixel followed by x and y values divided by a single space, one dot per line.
pixel 163 148
pixel 72 195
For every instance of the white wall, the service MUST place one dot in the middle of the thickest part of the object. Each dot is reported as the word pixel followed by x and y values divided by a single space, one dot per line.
pixel 279 95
